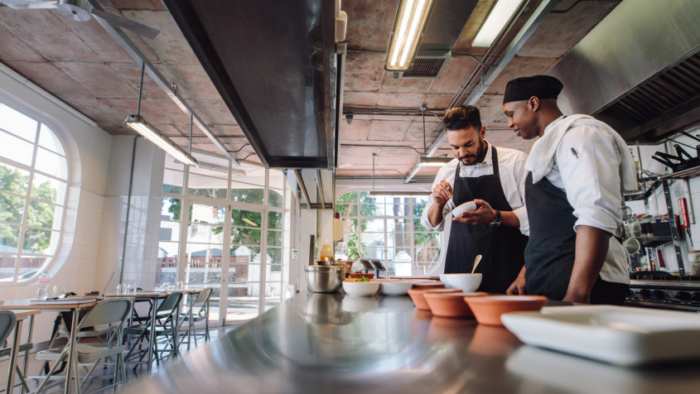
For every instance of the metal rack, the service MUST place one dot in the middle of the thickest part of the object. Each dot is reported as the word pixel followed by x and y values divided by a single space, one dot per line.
pixel 644 195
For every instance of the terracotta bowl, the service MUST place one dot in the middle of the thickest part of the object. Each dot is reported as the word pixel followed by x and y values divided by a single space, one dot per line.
pixel 417 296
pixel 450 304
pixel 426 285
pixel 488 310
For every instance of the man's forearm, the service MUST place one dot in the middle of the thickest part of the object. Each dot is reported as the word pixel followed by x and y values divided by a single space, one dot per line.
pixel 509 219
pixel 591 250
pixel 435 214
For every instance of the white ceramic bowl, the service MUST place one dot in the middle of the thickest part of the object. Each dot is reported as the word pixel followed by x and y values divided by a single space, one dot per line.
pixel 395 288
pixel 360 289
pixel 466 207
pixel 465 282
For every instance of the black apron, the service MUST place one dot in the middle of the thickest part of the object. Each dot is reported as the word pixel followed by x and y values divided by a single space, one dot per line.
pixel 501 247
pixel 550 254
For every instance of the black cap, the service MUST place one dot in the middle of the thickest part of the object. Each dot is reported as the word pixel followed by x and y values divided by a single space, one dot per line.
pixel 540 86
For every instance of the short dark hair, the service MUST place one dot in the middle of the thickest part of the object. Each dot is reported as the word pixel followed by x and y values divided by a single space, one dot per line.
pixel 462 117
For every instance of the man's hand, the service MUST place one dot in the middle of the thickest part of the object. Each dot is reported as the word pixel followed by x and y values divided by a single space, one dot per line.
pixel 442 193
pixel 483 215
pixel 518 286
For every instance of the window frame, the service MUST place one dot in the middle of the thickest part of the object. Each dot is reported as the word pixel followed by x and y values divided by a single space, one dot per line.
pixel 54 259
pixel 233 181
pixel 409 216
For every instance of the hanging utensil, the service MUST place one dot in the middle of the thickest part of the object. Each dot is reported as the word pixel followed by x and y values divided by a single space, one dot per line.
pixel 477 260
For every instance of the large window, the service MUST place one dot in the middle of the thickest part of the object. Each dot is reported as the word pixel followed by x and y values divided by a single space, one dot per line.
pixel 33 185
pixel 248 268
pixel 388 229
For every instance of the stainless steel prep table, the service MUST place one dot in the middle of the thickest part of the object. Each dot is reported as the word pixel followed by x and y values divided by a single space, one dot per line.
pixel 324 343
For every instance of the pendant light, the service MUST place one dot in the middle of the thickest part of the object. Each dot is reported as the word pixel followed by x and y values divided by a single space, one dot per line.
pixel 139 124
pixel 425 161
pixel 407 194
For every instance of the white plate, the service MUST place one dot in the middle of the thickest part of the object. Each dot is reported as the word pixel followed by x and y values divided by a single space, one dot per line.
pixel 617 335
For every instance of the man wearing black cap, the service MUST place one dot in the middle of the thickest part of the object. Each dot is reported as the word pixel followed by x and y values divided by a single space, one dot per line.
pixel 577 171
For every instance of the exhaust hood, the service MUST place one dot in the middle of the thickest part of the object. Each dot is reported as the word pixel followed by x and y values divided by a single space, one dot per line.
pixel 275 65
pixel 638 70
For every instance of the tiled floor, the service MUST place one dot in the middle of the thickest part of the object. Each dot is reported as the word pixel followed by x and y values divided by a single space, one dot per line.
pixel 96 384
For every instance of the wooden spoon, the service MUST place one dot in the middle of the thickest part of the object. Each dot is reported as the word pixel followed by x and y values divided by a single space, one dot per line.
pixel 477 260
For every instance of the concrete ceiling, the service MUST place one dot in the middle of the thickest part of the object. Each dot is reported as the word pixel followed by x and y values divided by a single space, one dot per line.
pixel 82 65
pixel 368 86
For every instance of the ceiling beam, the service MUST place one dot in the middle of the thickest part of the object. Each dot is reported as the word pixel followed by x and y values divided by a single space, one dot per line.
pixel 125 42
pixel 487 79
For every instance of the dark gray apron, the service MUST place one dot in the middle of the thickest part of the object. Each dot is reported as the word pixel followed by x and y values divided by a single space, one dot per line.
pixel 550 254
pixel 501 247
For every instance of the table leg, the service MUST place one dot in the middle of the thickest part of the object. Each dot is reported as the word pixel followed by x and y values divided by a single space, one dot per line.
pixel 73 352
pixel 189 323
pixel 152 337
pixel 177 326
pixel 13 356
pixel 26 353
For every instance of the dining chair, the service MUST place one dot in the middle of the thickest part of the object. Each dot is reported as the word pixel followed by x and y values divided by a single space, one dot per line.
pixel 165 326
pixel 200 311
pixel 8 320
pixel 112 312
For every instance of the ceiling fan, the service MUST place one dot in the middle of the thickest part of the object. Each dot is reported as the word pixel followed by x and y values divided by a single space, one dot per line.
pixel 81 11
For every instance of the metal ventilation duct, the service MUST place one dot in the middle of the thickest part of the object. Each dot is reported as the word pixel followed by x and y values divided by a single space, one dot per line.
pixel 637 69
pixel 426 67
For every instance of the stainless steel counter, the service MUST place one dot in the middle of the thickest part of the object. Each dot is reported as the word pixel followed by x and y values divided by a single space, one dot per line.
pixel 323 343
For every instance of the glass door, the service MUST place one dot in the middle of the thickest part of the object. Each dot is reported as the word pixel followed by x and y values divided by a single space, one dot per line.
pixel 204 251
pixel 245 265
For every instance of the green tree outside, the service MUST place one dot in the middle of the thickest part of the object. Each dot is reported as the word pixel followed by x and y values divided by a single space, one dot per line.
pixel 12 207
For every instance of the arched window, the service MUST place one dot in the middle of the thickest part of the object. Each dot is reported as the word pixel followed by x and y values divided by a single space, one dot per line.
pixel 388 229
pixel 33 185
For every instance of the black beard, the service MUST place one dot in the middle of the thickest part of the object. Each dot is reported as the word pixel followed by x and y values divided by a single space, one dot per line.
pixel 479 152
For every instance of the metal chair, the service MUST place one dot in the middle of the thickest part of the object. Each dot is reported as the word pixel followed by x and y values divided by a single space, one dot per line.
pixel 165 325
pixel 198 315
pixel 8 320
pixel 112 312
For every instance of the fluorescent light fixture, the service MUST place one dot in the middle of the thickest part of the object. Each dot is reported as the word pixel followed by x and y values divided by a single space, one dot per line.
pixel 433 161
pixel 412 17
pixel 218 168
pixel 495 22
pixel 399 194
pixel 138 124
pixel 252 223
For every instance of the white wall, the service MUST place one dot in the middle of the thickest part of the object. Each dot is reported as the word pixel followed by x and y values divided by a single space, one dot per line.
pixel 144 216
pixel 88 149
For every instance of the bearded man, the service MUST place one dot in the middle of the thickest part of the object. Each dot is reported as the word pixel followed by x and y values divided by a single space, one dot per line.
pixel 494 178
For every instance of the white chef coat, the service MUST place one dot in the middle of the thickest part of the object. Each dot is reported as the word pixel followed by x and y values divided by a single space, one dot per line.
pixel 587 168
pixel 511 164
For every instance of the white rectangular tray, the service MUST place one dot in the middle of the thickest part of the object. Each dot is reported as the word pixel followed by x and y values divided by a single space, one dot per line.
pixel 617 335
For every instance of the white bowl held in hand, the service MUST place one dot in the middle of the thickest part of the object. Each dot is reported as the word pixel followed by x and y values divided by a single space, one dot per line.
pixel 360 289
pixel 465 282
pixel 466 207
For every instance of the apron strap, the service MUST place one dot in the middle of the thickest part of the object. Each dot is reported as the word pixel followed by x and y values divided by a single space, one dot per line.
pixel 494 162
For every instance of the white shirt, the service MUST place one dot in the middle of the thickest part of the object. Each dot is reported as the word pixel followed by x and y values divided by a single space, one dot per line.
pixel 512 173
pixel 587 169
